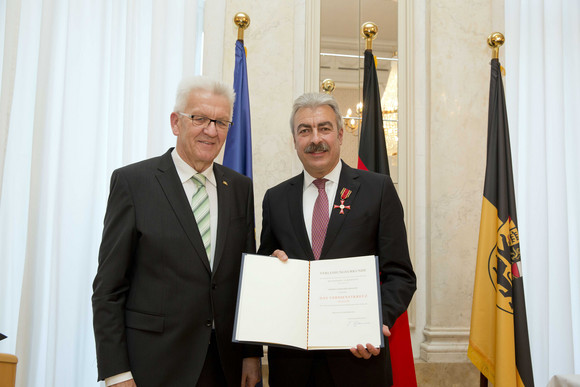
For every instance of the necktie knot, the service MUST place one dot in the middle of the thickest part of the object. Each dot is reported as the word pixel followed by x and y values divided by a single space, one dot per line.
pixel 320 183
pixel 198 179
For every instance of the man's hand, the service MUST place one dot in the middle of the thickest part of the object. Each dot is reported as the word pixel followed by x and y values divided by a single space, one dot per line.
pixel 386 331
pixel 366 352
pixel 251 372
pixel 126 383
pixel 280 254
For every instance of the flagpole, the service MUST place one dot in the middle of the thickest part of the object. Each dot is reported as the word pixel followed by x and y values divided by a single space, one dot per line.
pixel 238 146
pixel 369 31
pixel 495 41
pixel 242 20
pixel 372 156
pixel 328 86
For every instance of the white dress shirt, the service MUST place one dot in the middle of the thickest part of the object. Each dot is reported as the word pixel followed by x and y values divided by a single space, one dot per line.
pixel 310 193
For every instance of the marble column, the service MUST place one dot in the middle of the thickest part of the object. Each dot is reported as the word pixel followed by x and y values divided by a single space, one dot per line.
pixel 448 85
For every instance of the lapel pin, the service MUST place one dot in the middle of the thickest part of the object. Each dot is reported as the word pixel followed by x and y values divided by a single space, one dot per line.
pixel 225 182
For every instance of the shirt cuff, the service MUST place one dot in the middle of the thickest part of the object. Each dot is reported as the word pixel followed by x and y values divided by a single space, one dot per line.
pixel 118 378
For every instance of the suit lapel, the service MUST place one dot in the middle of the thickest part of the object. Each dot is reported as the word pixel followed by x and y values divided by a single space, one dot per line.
pixel 348 179
pixel 224 193
pixel 294 201
pixel 169 180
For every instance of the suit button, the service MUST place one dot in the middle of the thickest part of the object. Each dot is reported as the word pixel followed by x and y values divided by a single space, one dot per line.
pixel 213 286
pixel 208 323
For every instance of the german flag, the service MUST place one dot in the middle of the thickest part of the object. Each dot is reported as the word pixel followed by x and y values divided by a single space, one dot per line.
pixel 498 342
pixel 372 156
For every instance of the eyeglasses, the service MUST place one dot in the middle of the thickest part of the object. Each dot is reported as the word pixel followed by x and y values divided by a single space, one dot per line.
pixel 203 121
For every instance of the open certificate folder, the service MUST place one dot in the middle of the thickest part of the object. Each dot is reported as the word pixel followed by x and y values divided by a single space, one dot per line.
pixel 326 304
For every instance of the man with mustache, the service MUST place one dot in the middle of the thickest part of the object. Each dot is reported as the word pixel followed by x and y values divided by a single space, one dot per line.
pixel 303 218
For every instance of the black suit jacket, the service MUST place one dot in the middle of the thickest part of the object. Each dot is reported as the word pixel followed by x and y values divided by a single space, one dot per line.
pixel 373 226
pixel 155 296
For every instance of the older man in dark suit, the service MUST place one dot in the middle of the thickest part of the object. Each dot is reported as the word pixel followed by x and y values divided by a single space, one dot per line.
pixel 333 211
pixel 174 232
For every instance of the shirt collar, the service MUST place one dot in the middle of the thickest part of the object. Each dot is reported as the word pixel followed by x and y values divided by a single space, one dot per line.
pixel 333 176
pixel 186 171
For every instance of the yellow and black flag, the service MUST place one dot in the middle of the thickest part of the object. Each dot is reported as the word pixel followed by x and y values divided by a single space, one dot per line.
pixel 498 342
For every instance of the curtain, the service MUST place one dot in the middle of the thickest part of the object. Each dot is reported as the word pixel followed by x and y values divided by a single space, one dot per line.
pixel 543 102
pixel 87 87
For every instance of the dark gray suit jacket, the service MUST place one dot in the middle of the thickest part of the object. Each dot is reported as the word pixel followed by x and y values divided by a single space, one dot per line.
pixel 372 226
pixel 154 294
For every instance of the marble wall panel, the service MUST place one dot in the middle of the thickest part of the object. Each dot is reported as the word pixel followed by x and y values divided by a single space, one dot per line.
pixel 459 85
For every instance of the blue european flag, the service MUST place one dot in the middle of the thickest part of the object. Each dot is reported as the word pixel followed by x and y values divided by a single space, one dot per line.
pixel 238 152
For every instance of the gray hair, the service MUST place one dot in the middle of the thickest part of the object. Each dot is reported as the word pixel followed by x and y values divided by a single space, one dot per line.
pixel 188 85
pixel 312 101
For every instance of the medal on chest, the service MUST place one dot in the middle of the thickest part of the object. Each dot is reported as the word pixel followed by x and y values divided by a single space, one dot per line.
pixel 344 194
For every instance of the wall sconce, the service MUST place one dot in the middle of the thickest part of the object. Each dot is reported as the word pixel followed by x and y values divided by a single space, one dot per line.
pixel 351 122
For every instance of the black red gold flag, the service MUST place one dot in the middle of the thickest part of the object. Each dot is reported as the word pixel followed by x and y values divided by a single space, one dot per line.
pixel 372 156
pixel 498 341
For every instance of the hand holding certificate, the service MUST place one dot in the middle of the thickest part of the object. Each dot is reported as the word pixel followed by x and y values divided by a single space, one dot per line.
pixel 326 304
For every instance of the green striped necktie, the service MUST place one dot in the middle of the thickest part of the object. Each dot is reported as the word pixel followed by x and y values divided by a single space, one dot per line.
pixel 200 206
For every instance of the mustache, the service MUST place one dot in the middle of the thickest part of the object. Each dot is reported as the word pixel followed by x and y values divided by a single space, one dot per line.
pixel 320 147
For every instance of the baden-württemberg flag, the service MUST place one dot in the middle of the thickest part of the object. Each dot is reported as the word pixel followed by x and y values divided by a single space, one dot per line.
pixel 238 151
pixel 498 342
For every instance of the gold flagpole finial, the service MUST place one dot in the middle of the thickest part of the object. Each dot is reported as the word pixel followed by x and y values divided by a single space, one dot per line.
pixel 328 86
pixel 495 41
pixel 369 31
pixel 242 20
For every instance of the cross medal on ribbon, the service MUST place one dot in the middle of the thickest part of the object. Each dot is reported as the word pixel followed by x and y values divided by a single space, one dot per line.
pixel 344 194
